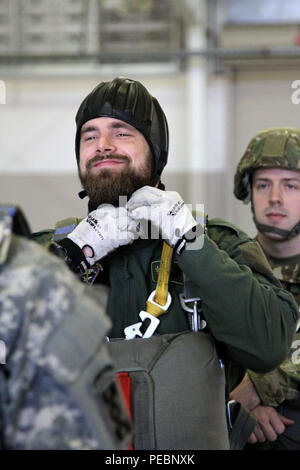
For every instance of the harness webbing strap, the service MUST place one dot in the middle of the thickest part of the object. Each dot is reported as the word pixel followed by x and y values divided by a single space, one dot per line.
pixel 162 286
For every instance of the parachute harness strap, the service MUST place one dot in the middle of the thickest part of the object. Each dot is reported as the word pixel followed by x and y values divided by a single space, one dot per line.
pixel 160 299
pixel 158 302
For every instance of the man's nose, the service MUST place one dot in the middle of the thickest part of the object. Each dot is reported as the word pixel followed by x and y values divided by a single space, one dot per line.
pixel 275 194
pixel 105 144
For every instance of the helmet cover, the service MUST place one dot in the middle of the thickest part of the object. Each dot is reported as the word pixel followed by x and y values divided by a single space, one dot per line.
pixel 270 148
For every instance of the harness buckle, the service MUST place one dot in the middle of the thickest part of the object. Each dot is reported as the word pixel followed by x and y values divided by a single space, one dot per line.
pixel 162 307
pixel 195 318
pixel 132 331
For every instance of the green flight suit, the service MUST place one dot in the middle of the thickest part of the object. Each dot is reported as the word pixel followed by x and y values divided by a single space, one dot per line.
pixel 280 388
pixel 247 311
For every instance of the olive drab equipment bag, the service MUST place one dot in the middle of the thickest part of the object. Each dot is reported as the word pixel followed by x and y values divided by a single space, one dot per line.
pixel 177 389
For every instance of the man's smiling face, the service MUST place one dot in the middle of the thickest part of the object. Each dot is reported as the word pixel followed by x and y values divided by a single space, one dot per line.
pixel 115 160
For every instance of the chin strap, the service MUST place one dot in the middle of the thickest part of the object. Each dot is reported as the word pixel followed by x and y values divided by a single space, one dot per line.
pixel 82 194
pixel 284 234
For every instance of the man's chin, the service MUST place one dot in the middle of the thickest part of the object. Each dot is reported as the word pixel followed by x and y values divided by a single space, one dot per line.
pixel 103 171
pixel 106 189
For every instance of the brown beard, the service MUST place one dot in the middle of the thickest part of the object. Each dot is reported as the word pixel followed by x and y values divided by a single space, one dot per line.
pixel 107 186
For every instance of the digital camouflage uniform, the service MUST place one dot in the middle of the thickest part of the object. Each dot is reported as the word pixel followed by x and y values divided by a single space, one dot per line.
pixel 278 148
pixel 281 387
pixel 57 388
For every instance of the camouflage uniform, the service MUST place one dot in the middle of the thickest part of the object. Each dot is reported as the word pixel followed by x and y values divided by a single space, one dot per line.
pixel 278 148
pixel 56 379
pixel 281 387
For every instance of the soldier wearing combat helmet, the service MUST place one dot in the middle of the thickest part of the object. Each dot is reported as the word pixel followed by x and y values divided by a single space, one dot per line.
pixel 277 148
pixel 269 175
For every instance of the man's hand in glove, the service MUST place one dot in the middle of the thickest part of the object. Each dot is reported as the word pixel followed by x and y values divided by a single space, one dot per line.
pixel 165 210
pixel 102 231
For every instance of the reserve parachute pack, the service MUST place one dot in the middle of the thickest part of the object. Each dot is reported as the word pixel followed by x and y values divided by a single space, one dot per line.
pixel 176 388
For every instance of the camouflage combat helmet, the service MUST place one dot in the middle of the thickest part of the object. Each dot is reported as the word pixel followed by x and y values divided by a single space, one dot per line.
pixel 129 101
pixel 270 148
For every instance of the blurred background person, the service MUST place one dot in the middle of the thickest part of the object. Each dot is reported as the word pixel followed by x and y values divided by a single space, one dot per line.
pixel 57 384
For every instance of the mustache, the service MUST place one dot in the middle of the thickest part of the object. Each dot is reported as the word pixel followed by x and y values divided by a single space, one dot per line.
pixel 100 158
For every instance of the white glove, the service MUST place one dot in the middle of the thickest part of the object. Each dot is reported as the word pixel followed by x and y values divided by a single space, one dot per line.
pixel 102 231
pixel 165 210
